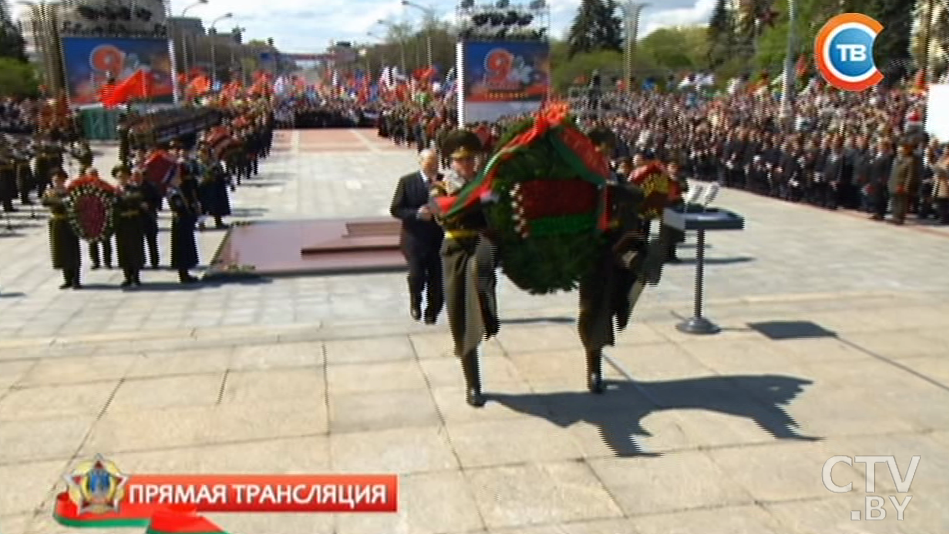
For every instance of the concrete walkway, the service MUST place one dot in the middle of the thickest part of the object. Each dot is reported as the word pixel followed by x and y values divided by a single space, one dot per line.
pixel 724 434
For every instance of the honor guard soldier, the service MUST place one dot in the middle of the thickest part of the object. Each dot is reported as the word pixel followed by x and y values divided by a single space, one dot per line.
pixel 63 241
pixel 129 213
pixel 49 159
pixel 25 181
pixel 8 189
pixel 212 188
pixel 469 263
pixel 184 247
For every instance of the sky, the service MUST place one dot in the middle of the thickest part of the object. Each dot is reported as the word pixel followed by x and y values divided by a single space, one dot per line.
pixel 310 25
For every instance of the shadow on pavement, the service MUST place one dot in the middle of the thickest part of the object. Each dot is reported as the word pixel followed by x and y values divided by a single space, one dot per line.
pixel 13 295
pixel 619 412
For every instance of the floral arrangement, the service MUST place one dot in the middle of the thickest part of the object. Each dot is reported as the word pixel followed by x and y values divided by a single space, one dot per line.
pixel 549 182
pixel 90 207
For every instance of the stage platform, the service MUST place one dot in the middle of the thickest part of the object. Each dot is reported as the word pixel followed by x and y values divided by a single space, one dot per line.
pixel 308 247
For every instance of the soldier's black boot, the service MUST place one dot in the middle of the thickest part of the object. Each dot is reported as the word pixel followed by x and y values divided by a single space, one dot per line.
pixel 469 364
pixel 67 279
pixel 185 277
pixel 76 283
pixel 136 278
pixel 595 371
pixel 128 278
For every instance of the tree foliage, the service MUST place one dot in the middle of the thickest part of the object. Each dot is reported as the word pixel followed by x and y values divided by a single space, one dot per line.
pixel 12 44
pixel 17 78
pixel 595 27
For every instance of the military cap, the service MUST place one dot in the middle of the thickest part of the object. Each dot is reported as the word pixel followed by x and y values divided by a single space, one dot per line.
pixel 461 143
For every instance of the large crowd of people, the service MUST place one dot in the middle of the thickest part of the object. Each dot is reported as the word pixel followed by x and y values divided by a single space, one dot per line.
pixel 858 151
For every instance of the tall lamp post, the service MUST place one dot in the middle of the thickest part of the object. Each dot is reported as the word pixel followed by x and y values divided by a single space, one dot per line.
pixel 213 33
pixel 392 28
pixel 631 13
pixel 430 15
pixel 184 35
pixel 787 84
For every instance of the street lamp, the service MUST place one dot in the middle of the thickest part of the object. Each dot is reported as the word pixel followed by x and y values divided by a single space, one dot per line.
pixel 393 29
pixel 631 12
pixel 184 36
pixel 430 15
pixel 214 46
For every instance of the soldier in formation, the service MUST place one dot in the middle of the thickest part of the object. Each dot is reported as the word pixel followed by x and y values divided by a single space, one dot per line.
pixel 469 260
pixel 130 211
pixel 63 241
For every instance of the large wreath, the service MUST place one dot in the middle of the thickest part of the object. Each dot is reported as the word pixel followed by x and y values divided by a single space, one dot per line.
pixel 91 203
pixel 550 210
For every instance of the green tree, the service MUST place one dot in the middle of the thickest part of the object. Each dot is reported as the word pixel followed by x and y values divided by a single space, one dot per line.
pixel 17 78
pixel 676 49
pixel 12 44
pixel 609 26
pixel 892 47
pixel 720 33
pixel 583 32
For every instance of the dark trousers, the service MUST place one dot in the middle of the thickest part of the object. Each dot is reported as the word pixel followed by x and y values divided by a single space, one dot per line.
pixel 151 242
pixel 425 275
pixel 880 199
pixel 942 210
pixel 99 251
pixel 900 206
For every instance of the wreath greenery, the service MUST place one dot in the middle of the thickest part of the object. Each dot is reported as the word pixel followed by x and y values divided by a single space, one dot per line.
pixel 548 234
pixel 91 204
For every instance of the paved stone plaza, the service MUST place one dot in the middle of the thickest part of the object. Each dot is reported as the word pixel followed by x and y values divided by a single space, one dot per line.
pixel 722 435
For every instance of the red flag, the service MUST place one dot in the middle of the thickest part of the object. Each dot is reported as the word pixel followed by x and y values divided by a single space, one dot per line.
pixel 135 86
pixel 200 85
pixel 802 66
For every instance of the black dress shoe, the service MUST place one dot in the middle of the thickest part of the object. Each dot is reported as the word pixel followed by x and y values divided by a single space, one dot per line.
pixel 431 318
pixel 126 283
pixel 96 266
pixel 65 286
pixel 416 312
pixel 188 280
pixel 474 398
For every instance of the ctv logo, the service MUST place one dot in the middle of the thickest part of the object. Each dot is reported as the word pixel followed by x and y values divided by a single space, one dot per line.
pixel 874 503
pixel 844 52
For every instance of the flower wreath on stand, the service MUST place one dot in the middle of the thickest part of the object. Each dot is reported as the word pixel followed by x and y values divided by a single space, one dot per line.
pixel 550 213
pixel 91 203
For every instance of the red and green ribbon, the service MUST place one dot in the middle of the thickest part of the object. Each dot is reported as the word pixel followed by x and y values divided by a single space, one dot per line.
pixel 574 147
pixel 168 520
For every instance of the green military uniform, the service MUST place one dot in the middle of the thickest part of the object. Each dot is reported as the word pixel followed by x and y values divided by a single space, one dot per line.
pixel 24 175
pixel 8 185
pixel 468 263
pixel 49 159
pixel 63 241
pixel 129 223
pixel 605 303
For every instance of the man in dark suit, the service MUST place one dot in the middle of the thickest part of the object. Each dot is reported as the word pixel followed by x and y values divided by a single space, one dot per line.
pixel 421 237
